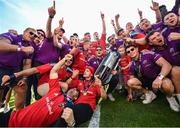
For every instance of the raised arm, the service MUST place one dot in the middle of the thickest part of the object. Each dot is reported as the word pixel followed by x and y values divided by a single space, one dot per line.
pixel 117 21
pixel 55 69
pixel 176 8
pixel 140 14
pixel 155 7
pixel 103 24
pixel 114 26
pixel 51 12
pixel 61 22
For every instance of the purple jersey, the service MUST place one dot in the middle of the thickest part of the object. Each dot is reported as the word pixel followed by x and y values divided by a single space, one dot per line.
pixel 166 31
pixel 14 60
pixel 47 52
pixel 66 48
pixel 170 51
pixel 116 45
pixel 157 26
pixel 94 62
pixel 146 66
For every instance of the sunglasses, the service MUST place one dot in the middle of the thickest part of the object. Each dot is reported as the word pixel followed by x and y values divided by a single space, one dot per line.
pixel 33 34
pixel 131 50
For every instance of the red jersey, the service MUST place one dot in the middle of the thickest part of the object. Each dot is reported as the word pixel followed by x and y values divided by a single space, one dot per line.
pixel 43 112
pixel 142 47
pixel 62 74
pixel 101 42
pixel 44 68
pixel 79 61
pixel 123 62
pixel 88 96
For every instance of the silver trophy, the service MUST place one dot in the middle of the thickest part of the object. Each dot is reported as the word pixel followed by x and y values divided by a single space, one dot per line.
pixel 109 63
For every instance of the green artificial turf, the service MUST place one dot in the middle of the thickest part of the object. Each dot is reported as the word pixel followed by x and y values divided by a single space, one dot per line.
pixel 135 114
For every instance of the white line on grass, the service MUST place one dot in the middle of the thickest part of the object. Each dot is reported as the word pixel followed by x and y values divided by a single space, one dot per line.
pixel 94 122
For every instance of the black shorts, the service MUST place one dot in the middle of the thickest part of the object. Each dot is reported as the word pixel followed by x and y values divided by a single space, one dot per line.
pixel 82 113
pixel 146 83
pixel 4 118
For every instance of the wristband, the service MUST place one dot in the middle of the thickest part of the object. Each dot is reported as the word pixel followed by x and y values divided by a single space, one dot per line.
pixel 52 64
pixel 12 77
pixel 72 124
pixel 24 78
pixel 51 16
pixel 160 76
pixel 19 49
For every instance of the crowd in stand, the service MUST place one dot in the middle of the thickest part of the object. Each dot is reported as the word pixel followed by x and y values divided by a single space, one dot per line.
pixel 61 70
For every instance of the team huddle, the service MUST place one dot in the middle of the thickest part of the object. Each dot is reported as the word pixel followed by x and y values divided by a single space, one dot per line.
pixel 61 70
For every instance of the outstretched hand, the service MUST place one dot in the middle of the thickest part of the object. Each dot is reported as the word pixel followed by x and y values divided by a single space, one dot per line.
pixel 5 79
pixel 155 6
pixel 112 22
pixel 102 15
pixel 61 22
pixel 68 57
pixel 98 81
pixel 140 12
pixel 27 50
pixel 75 74
pixel 68 116
pixel 117 16
pixel 51 10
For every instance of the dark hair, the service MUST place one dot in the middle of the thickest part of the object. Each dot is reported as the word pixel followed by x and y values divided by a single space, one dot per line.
pixel 71 36
pixel 119 30
pixel 143 20
pixel 75 34
pixel 40 30
pixel 113 35
pixel 163 10
pixel 108 38
pixel 62 30
pixel 95 33
pixel 29 28
pixel 87 33
pixel 150 34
